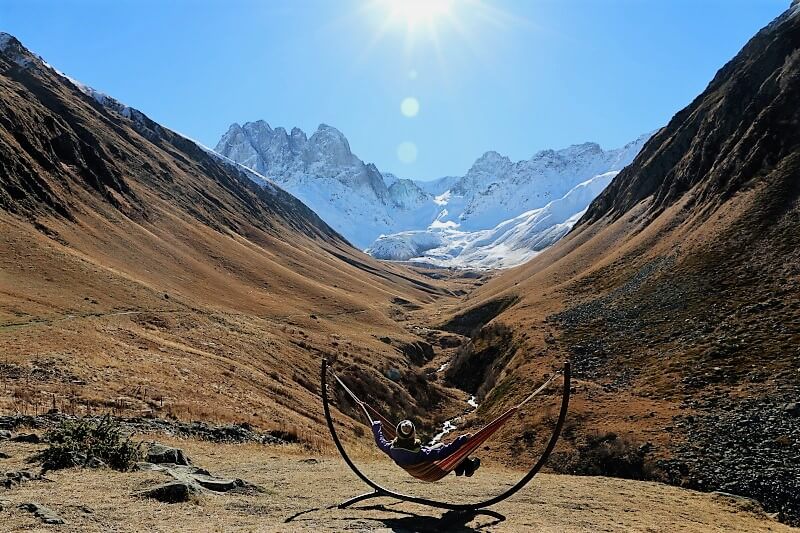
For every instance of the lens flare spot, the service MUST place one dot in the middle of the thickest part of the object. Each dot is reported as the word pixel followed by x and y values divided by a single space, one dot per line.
pixel 407 152
pixel 409 106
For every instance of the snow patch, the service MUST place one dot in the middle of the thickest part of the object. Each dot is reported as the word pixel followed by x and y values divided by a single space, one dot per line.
pixel 508 244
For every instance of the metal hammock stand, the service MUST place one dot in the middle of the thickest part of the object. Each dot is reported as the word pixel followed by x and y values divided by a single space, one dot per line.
pixel 379 491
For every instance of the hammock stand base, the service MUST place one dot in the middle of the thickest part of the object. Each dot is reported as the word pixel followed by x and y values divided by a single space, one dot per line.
pixel 379 491
pixel 366 496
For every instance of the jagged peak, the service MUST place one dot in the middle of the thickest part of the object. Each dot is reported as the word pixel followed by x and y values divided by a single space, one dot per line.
pixel 491 157
pixel 326 134
pixel 233 128
pixel 325 129
pixel 297 133
pixel 7 39
pixel 258 125
pixel 585 146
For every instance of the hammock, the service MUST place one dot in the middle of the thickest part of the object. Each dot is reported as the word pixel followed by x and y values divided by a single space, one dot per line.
pixel 379 491
pixel 436 470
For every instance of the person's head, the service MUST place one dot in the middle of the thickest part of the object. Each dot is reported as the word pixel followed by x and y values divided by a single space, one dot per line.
pixel 406 430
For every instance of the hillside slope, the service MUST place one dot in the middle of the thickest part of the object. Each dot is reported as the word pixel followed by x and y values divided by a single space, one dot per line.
pixel 141 273
pixel 676 296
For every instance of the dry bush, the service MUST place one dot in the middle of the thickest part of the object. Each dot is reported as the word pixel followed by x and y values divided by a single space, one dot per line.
pixel 606 454
pixel 80 442
pixel 479 363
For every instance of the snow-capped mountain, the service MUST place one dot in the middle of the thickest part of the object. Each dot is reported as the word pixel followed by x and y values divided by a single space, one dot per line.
pixel 320 170
pixel 496 189
pixel 453 218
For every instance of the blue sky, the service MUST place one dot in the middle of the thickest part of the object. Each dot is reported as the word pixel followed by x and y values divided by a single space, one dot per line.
pixel 510 76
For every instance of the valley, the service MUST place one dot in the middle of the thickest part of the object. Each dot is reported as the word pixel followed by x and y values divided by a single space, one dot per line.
pixel 190 295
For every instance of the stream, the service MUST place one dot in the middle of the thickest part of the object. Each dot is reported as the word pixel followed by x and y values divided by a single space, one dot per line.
pixel 451 424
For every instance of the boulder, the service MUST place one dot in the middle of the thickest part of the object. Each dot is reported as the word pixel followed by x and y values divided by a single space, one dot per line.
pixel 792 408
pixel 743 503
pixel 200 479
pixel 172 492
pixel 45 514
pixel 13 479
pixel 160 454
pixel 30 438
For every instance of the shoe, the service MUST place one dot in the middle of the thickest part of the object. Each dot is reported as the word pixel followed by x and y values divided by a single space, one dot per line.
pixel 473 465
pixel 459 470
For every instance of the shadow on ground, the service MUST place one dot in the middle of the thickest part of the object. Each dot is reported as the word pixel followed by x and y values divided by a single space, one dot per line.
pixel 449 521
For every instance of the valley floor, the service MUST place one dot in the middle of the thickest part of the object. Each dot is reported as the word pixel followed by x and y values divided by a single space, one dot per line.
pixel 299 486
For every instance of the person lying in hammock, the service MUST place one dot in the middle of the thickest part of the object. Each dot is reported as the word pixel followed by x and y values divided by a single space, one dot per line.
pixel 406 449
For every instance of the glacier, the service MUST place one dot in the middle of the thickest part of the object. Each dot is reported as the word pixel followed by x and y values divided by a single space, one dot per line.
pixel 508 244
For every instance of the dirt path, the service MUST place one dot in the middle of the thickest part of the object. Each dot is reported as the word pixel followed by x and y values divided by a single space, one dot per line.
pixel 299 487
pixel 48 321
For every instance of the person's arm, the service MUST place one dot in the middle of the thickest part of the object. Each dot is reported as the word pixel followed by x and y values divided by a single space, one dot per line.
pixel 382 443
pixel 440 452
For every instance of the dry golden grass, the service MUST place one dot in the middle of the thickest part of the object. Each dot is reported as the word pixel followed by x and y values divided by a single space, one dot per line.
pixel 145 326
pixel 299 486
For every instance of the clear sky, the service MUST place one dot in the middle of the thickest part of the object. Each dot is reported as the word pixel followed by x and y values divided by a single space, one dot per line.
pixel 511 76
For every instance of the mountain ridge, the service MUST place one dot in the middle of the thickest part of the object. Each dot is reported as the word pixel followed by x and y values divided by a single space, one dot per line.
pixel 677 295
pixel 365 205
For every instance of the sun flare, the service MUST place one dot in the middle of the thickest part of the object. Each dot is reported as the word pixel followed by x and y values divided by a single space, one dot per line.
pixel 413 13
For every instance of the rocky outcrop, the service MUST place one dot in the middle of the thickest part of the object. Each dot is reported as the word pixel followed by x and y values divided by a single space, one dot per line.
pixel 45 514
pixel 189 480
pixel 172 492
pixel 158 454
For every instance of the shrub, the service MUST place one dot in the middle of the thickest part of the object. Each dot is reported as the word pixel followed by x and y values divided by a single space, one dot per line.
pixel 606 454
pixel 83 442
pixel 478 363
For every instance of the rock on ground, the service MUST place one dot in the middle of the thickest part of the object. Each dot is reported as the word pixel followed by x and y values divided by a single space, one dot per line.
pixel 160 454
pixel 30 438
pixel 16 478
pixel 45 514
pixel 172 492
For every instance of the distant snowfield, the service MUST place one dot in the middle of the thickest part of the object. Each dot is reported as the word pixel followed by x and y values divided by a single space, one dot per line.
pixel 499 215
pixel 510 243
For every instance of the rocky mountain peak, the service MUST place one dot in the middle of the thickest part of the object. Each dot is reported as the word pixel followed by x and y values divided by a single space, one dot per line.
pixel 329 145
pixel 298 137
pixel 490 160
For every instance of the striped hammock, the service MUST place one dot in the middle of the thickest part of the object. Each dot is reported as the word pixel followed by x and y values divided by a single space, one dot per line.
pixel 436 470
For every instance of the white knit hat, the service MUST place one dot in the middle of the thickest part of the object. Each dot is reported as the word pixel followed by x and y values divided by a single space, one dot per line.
pixel 405 429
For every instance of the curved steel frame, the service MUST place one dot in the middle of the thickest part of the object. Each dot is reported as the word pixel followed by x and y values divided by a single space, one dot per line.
pixel 379 491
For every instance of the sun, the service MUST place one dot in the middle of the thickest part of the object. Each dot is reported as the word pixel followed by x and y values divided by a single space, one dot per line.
pixel 413 13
